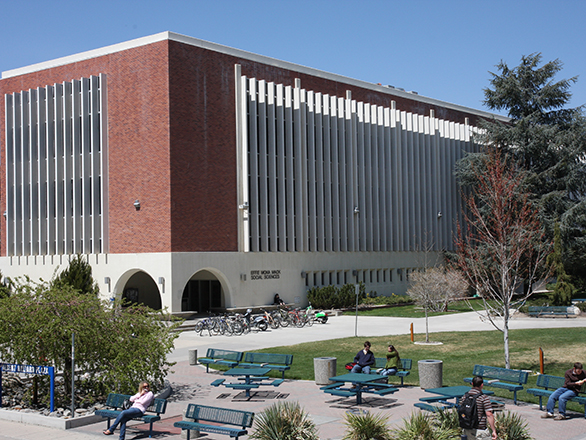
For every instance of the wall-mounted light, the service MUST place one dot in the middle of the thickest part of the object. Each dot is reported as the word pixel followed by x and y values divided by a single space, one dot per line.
pixel 243 206
pixel 136 204
pixel 354 273
pixel 162 283
pixel 439 215
pixel 242 277
pixel 303 274
pixel 107 281
pixel 5 214
pixel 356 210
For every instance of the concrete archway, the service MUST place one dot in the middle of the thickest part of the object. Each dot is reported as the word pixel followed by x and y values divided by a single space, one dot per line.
pixel 204 291
pixel 139 287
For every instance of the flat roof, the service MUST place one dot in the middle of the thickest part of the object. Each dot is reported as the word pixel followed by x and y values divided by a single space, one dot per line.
pixel 246 55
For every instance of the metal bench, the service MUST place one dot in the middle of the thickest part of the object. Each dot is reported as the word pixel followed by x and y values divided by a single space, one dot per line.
pixel 403 371
pixel 115 401
pixel 240 420
pixel 501 378
pixel 549 384
pixel 538 311
pixel 227 358
pixel 274 361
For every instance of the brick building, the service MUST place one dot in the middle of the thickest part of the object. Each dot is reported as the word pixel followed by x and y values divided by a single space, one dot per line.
pixel 193 175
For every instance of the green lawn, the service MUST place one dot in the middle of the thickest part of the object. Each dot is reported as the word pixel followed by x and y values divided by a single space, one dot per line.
pixel 414 311
pixel 459 353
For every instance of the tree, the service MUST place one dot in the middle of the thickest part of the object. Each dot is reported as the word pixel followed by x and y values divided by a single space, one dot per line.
pixel 563 289
pixel 115 347
pixel 548 142
pixel 503 246
pixel 434 288
pixel 79 276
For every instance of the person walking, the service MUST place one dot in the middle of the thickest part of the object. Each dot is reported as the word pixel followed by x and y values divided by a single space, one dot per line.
pixel 485 415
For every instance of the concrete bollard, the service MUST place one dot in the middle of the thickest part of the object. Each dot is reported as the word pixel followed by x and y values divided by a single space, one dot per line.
pixel 193 357
pixel 193 433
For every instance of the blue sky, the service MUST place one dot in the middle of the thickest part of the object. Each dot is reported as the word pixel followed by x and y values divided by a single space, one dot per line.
pixel 443 49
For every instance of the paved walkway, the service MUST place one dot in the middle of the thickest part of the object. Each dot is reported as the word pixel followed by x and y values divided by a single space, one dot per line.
pixel 192 384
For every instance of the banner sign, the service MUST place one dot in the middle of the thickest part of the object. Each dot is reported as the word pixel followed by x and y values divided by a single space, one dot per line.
pixel 30 369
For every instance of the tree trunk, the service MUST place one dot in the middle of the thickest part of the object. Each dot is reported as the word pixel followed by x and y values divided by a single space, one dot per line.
pixel 426 326
pixel 506 337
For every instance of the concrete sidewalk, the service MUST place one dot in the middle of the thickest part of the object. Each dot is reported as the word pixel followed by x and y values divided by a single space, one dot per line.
pixel 192 384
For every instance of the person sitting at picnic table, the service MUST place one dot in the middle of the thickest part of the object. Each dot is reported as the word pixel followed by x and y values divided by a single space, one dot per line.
pixel 140 402
pixel 363 360
pixel 393 362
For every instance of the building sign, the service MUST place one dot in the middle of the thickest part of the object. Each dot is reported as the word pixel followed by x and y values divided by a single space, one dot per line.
pixel 30 369
pixel 265 274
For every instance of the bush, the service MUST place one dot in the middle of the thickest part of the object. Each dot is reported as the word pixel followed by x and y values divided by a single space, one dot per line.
pixel 387 300
pixel 366 426
pixel 510 426
pixel 284 421
pixel 426 426
pixel 332 297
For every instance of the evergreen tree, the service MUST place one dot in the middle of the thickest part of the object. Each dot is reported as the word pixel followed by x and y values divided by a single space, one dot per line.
pixel 78 275
pixel 548 142
pixel 563 289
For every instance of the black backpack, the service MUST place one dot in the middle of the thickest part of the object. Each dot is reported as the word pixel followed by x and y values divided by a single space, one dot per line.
pixel 468 411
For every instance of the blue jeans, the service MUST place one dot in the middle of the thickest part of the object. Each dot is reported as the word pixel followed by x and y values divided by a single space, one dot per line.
pixel 563 394
pixel 123 417
pixel 358 369
pixel 388 372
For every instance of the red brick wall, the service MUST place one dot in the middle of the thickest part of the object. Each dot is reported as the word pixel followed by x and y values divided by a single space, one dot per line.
pixel 172 141
pixel 138 132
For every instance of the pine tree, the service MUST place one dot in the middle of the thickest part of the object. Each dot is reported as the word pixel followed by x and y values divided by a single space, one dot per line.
pixel 79 276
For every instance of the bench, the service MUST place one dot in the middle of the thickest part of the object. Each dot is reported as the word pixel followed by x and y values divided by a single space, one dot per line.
pixel 274 361
pixel 403 372
pixel 511 380
pixel 538 311
pixel 549 384
pixel 226 358
pixel 115 401
pixel 240 420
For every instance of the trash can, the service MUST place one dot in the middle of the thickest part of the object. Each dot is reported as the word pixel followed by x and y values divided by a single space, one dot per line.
pixel 192 357
pixel 323 369
pixel 430 373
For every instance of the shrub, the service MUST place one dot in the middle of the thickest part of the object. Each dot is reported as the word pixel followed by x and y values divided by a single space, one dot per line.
pixel 426 427
pixel 366 426
pixel 332 297
pixel 511 426
pixel 284 421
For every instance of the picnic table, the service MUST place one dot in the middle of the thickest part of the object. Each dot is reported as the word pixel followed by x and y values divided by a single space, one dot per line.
pixel 443 395
pixel 365 383
pixel 250 378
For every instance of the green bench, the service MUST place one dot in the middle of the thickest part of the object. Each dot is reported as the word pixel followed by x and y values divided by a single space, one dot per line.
pixel 538 311
pixel 274 361
pixel 402 372
pixel 549 384
pixel 227 358
pixel 511 380
pixel 239 420
pixel 152 414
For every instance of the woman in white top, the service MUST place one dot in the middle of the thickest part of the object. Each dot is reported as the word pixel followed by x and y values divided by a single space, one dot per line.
pixel 140 402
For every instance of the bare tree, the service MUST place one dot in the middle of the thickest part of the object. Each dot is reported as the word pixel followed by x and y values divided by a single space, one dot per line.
pixel 503 250
pixel 434 288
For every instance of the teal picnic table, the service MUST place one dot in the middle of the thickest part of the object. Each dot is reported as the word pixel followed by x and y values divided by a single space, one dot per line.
pixel 250 378
pixel 446 393
pixel 364 383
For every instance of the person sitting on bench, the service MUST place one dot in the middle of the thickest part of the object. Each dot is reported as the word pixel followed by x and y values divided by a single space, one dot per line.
pixel 140 402
pixel 393 362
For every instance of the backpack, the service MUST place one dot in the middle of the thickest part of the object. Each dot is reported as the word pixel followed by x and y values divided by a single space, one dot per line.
pixel 468 411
